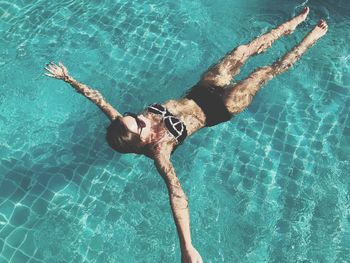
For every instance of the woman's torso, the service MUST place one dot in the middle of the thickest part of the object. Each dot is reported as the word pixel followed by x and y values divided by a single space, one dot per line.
pixel 186 110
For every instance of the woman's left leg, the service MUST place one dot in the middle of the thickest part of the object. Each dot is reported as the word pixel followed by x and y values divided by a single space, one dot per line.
pixel 239 96
pixel 222 73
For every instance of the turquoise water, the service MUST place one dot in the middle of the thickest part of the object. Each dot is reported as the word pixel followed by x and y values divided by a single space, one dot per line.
pixel 272 185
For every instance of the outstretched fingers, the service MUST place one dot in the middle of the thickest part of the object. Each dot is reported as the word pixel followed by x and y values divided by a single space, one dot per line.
pixel 50 75
pixel 65 71
pixel 56 71
pixel 49 68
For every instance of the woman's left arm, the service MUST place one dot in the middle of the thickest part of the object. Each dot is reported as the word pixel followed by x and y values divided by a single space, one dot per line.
pixel 60 72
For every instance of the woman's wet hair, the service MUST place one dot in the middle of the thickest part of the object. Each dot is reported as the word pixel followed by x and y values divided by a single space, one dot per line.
pixel 120 139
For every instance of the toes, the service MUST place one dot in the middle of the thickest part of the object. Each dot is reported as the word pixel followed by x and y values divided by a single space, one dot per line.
pixel 305 10
pixel 322 25
pixel 325 24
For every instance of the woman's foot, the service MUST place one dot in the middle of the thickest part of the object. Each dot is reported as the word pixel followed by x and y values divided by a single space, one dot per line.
pixel 291 57
pixel 295 21
pixel 319 31
pixel 260 44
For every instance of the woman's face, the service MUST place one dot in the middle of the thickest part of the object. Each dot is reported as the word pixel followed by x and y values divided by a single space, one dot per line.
pixel 139 126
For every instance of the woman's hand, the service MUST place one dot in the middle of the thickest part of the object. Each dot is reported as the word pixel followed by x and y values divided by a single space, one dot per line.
pixel 57 72
pixel 190 255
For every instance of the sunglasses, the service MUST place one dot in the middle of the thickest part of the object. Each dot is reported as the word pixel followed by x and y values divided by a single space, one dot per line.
pixel 140 123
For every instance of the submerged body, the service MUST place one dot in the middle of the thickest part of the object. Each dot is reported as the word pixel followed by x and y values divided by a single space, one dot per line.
pixel 156 133
pixel 190 112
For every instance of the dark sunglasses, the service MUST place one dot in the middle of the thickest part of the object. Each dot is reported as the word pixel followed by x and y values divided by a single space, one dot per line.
pixel 139 123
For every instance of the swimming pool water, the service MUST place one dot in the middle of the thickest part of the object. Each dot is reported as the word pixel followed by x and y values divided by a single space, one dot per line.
pixel 271 185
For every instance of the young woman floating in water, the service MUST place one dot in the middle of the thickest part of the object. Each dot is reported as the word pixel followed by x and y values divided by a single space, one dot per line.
pixel 160 128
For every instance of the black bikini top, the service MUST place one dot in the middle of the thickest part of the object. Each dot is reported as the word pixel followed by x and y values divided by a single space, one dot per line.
pixel 176 127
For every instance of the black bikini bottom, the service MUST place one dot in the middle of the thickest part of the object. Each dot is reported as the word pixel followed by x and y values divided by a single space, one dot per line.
pixel 210 100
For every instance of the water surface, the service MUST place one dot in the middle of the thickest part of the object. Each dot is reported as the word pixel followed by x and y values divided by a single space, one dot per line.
pixel 272 185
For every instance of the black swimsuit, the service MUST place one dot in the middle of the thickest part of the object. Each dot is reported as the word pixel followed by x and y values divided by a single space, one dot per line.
pixel 210 100
pixel 176 127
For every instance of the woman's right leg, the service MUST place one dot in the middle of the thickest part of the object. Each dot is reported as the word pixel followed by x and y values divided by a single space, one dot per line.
pixel 239 96
pixel 222 73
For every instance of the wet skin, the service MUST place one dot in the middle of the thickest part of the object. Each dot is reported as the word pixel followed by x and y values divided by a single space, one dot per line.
pixel 237 98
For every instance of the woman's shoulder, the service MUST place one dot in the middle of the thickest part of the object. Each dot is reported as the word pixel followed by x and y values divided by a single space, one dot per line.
pixel 161 149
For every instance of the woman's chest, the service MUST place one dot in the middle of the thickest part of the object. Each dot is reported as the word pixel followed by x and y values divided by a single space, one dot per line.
pixel 188 112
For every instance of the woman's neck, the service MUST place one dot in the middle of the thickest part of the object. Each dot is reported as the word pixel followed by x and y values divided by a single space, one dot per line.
pixel 157 136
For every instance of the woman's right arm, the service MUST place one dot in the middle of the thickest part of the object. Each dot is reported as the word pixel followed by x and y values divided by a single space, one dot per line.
pixel 60 72
pixel 179 206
